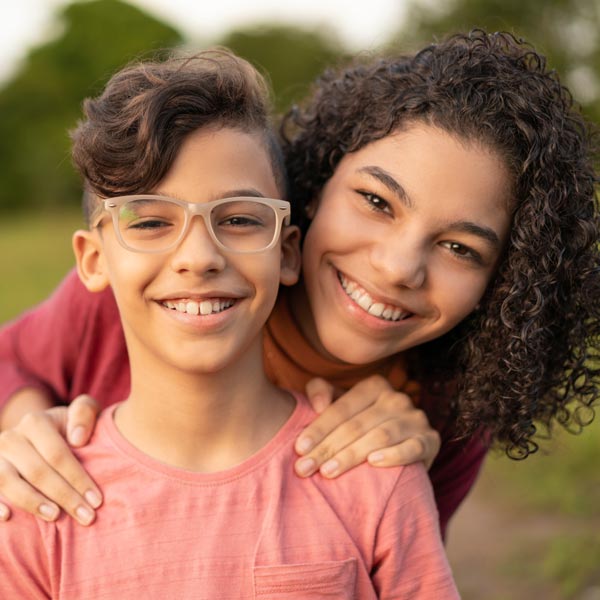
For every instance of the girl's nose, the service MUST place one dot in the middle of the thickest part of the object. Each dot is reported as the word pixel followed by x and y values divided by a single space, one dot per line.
pixel 401 258
pixel 197 251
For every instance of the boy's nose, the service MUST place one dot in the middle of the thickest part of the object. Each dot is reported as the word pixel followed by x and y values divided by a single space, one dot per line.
pixel 197 251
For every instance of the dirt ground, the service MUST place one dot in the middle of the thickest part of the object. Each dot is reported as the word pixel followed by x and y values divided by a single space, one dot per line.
pixel 496 551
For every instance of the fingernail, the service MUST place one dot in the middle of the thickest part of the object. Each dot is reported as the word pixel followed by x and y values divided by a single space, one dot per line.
pixel 304 444
pixel 375 457
pixel 306 466
pixel 3 512
pixel 330 467
pixel 320 403
pixel 76 436
pixel 84 515
pixel 92 497
pixel 48 511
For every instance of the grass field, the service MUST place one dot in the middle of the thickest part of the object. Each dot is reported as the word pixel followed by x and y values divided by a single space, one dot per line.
pixel 36 253
pixel 560 483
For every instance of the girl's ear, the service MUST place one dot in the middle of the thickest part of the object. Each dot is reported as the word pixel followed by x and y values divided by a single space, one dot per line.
pixel 290 255
pixel 91 266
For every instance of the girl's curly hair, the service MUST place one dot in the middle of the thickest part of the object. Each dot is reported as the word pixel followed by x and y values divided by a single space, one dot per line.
pixel 529 355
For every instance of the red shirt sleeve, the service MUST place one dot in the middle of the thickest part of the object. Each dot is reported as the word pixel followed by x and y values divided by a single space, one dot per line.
pixel 70 344
pixel 454 473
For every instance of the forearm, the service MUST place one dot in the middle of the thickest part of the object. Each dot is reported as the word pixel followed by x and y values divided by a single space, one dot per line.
pixel 26 400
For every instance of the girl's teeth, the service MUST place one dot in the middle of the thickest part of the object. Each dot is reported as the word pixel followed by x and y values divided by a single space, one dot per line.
pixel 376 309
pixel 364 300
pixel 205 307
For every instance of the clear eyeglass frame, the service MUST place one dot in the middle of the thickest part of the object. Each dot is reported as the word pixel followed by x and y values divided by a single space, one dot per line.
pixel 281 209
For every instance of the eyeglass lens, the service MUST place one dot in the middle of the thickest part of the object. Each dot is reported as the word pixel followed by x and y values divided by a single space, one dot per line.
pixel 240 225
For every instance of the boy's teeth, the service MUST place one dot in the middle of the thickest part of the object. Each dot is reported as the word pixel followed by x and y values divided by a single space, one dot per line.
pixel 366 302
pixel 204 307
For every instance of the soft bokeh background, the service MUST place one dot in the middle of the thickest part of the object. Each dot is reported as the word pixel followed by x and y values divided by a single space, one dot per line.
pixel 530 529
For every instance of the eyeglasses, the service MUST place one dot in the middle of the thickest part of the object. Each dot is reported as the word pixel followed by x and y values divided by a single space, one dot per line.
pixel 152 224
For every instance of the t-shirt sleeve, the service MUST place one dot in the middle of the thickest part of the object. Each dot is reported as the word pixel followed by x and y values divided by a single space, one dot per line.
pixel 410 560
pixel 25 565
pixel 41 347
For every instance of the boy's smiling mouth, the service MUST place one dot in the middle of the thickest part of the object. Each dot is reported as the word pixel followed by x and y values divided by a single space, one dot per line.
pixel 206 306
pixel 360 297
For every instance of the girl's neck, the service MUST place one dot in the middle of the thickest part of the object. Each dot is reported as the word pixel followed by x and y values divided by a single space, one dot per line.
pixel 202 421
pixel 302 313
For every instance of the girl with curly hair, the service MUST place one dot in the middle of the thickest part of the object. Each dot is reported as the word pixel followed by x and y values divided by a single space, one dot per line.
pixel 448 200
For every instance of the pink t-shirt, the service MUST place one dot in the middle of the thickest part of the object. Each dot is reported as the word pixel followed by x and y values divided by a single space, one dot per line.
pixel 253 531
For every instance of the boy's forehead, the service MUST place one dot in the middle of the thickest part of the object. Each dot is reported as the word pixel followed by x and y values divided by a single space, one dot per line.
pixel 218 163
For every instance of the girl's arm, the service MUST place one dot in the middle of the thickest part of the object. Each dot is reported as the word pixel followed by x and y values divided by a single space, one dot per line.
pixel 45 356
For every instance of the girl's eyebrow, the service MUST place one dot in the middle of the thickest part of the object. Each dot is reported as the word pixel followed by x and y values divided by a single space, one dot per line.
pixel 487 234
pixel 386 179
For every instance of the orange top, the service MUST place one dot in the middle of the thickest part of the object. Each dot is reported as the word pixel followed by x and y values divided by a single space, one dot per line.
pixel 290 361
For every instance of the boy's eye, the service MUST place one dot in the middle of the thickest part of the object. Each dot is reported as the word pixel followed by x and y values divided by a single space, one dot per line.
pixel 375 202
pixel 241 221
pixel 148 224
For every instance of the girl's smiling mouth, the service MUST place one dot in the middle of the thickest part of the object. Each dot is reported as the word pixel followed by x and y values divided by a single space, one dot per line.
pixel 366 302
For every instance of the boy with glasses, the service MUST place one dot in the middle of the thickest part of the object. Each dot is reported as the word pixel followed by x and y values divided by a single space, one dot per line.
pixel 196 464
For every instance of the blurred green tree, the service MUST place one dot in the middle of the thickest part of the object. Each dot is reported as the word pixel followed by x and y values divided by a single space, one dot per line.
pixel 566 31
pixel 290 57
pixel 43 100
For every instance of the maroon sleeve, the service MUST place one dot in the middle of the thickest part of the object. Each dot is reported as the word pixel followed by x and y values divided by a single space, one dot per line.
pixel 454 473
pixel 70 344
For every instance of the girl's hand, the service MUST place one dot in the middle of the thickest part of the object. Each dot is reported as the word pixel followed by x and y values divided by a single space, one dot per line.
pixel 38 471
pixel 369 422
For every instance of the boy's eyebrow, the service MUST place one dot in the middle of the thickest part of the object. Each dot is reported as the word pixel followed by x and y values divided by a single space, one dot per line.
pixel 485 233
pixel 386 179
pixel 243 192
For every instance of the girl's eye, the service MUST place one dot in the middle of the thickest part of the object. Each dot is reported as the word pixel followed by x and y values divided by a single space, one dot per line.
pixel 375 202
pixel 463 252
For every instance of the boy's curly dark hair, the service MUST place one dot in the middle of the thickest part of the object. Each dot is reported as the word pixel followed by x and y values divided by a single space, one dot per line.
pixel 132 132
pixel 530 355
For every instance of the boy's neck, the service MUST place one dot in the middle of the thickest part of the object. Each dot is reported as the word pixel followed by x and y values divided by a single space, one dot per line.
pixel 202 422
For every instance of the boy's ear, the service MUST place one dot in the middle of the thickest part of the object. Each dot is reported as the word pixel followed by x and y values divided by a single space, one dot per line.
pixel 91 266
pixel 290 255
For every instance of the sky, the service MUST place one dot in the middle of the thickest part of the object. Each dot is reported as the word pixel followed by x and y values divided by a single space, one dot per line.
pixel 360 25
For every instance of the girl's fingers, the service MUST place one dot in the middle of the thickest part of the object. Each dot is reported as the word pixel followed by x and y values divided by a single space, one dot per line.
pixel 23 496
pixel 81 419
pixel 419 448
pixel 42 460
pixel 354 401
pixel 320 394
